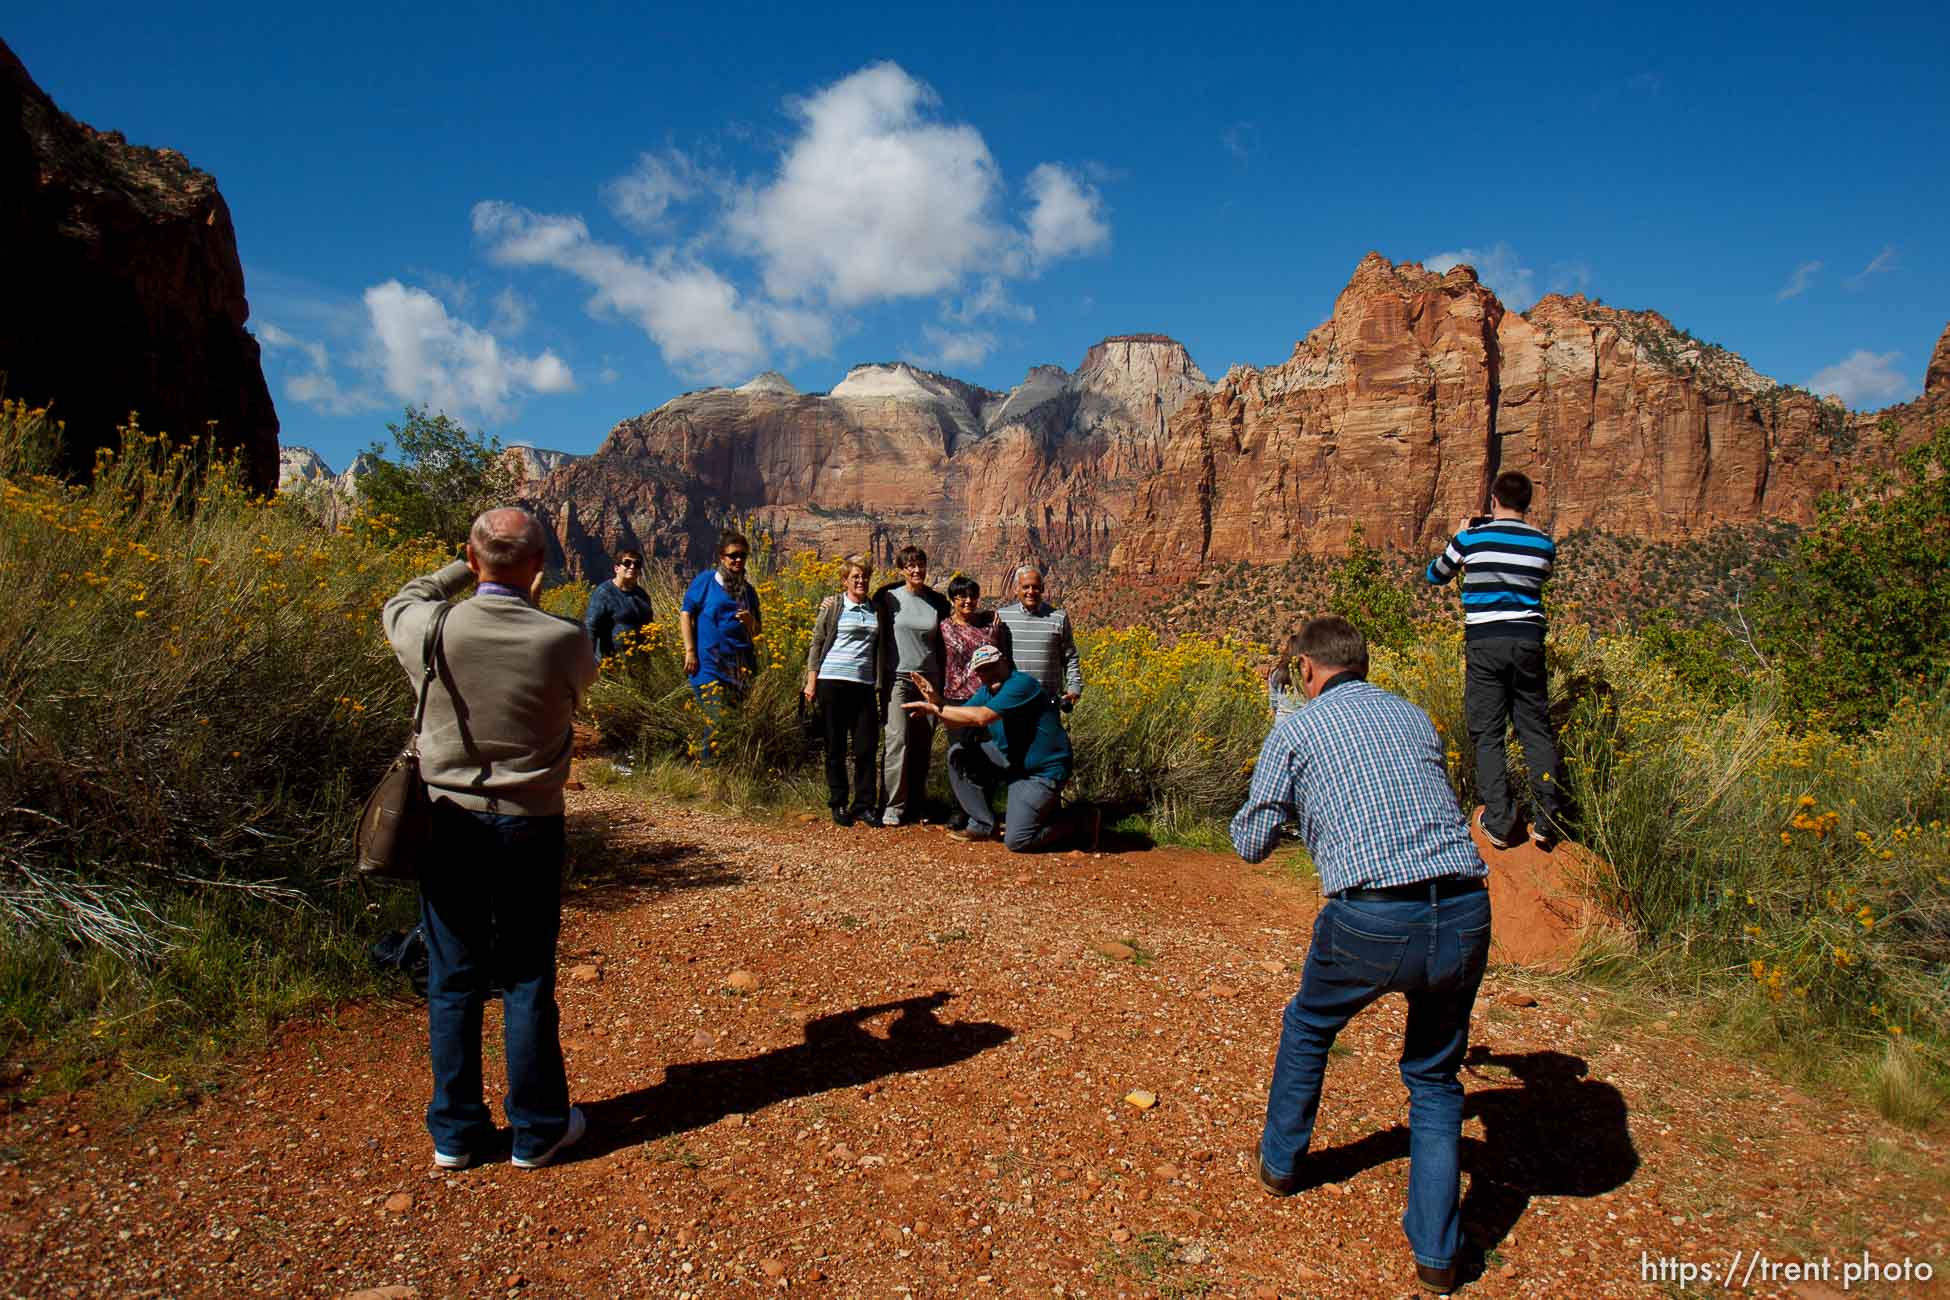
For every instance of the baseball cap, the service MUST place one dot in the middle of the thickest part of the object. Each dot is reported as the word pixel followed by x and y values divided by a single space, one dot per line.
pixel 984 656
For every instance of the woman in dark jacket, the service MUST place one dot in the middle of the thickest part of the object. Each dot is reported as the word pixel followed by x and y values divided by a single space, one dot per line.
pixel 841 669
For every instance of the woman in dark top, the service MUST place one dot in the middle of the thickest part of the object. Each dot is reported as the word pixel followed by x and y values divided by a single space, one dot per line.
pixel 620 608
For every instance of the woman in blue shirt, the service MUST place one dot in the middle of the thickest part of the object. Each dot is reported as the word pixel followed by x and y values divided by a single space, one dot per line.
pixel 719 618
pixel 840 673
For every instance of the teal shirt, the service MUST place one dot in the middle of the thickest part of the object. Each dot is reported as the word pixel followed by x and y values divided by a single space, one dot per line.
pixel 1029 733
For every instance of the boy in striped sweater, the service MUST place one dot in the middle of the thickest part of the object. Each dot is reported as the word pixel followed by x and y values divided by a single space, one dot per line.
pixel 1504 563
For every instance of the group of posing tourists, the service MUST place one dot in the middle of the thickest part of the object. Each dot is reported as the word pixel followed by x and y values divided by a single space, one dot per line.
pixel 1358 771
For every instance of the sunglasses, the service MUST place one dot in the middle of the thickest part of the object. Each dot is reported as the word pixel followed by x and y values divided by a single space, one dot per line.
pixel 628 564
pixel 735 555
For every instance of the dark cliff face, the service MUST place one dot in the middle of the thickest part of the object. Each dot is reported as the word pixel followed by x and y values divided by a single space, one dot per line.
pixel 125 292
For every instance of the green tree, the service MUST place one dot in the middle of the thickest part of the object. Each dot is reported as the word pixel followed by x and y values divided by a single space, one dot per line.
pixel 443 478
pixel 1857 615
pixel 1365 594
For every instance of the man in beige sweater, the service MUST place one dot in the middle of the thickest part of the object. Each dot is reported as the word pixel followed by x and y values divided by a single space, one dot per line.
pixel 494 749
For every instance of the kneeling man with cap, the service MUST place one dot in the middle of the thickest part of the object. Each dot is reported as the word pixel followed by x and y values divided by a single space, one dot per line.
pixel 1361 772
pixel 1026 749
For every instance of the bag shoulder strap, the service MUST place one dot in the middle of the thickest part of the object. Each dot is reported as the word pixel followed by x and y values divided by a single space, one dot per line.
pixel 431 654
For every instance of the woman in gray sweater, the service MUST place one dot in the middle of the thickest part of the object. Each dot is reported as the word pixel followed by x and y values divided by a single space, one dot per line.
pixel 841 668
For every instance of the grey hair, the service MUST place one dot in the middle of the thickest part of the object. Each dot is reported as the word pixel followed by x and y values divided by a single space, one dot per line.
pixel 506 537
pixel 1333 642
pixel 1015 579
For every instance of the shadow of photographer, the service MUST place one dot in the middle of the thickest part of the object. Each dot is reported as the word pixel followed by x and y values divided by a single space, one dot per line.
pixel 837 1052
pixel 1560 1133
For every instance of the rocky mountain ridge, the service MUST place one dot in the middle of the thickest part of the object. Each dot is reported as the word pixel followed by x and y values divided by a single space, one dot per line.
pixel 892 453
pixel 1392 416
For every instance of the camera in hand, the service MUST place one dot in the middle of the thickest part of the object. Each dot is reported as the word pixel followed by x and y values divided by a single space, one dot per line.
pixel 1477 521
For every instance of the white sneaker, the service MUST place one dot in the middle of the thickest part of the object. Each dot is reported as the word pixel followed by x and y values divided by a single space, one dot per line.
pixel 570 1136
pixel 443 1160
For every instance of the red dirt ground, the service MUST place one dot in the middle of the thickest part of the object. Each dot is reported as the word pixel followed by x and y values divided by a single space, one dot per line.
pixel 924 1096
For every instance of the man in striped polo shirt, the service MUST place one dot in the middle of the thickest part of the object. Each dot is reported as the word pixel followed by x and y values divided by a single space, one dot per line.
pixel 1038 639
pixel 1361 773
pixel 1504 563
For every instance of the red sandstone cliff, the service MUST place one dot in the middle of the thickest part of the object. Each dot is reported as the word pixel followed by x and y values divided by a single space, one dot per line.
pixel 125 290
pixel 1393 415
pixel 1397 412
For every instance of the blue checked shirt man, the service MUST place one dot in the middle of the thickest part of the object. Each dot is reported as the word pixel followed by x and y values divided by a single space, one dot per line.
pixel 1361 773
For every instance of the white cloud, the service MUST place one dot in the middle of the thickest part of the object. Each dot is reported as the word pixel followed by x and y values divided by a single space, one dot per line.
pixel 1067 216
pixel 512 312
pixel 1239 140
pixel 426 356
pixel 643 198
pixel 691 312
pixel 956 347
pixel 315 384
pixel 874 200
pixel 1864 380
pixel 1798 283
pixel 875 197
pixel 991 298
pixel 1497 266
pixel 1881 264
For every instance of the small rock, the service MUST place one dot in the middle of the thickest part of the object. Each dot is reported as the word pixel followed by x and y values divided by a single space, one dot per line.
pixel 1169 1173
pixel 736 1119
pixel 703 1041
pixel 1141 1099
pixel 741 981
pixel 1222 991
pixel 1266 1293
pixel 1519 1000
pixel 772 1267
pixel 587 973
pixel 399 1202
pixel 1117 951
pixel 1064 1032
pixel 515 1282
pixel 385 1293
pixel 1120 1235
pixel 808 819
pixel 1273 967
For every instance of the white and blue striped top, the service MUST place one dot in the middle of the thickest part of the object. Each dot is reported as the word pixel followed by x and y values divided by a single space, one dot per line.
pixel 1361 772
pixel 1504 564
pixel 854 638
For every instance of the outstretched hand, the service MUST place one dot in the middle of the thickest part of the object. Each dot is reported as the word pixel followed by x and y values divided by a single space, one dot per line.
pixel 926 687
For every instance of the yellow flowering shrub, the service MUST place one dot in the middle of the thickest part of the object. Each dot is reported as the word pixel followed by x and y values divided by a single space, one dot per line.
pixel 197 687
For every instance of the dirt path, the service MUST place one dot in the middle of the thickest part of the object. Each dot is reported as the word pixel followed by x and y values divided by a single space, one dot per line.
pixel 924 1096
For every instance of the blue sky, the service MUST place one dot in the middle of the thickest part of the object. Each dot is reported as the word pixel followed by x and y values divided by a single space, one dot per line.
pixel 544 222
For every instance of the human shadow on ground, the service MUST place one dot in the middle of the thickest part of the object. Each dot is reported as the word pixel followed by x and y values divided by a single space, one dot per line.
pixel 608 872
pixel 1558 1133
pixel 837 1052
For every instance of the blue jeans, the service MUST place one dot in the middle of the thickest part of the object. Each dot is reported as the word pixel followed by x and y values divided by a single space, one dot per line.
pixel 1433 950
pixel 491 902
pixel 974 770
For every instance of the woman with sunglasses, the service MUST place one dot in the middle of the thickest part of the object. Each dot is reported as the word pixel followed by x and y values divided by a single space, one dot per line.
pixel 718 619
pixel 966 630
pixel 620 608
